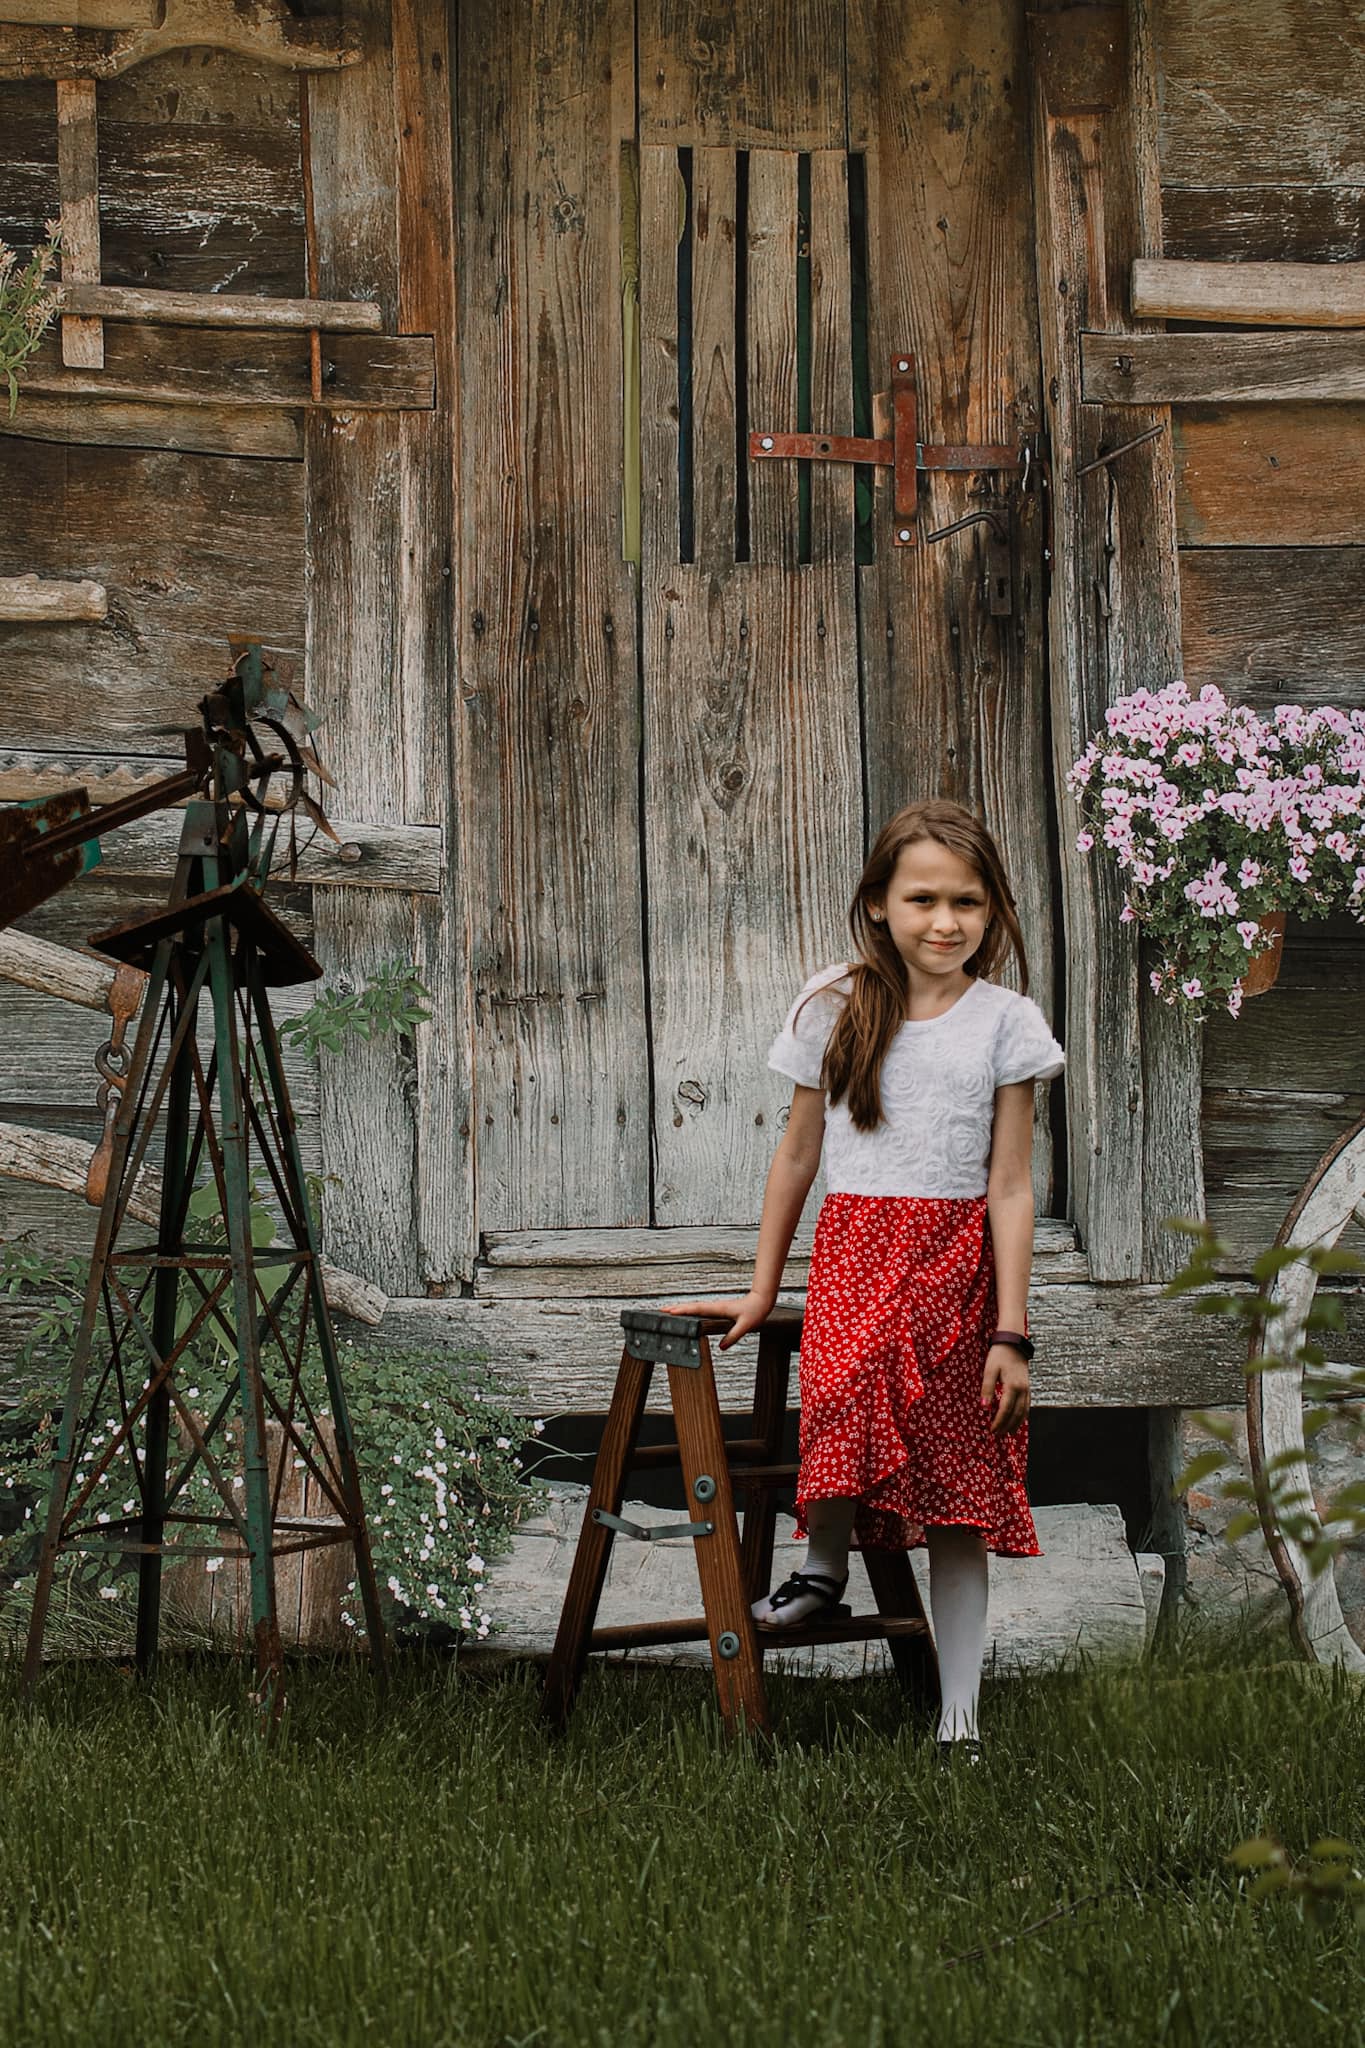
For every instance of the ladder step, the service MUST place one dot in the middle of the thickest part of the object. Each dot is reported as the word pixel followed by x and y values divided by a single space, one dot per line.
pixel 859 1628
pixel 646 1457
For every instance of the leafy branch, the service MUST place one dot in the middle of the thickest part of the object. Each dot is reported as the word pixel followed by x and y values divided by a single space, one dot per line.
pixel 28 305
pixel 1276 1494
pixel 391 1000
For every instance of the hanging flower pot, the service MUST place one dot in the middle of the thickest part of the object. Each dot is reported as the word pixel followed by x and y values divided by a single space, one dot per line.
pixel 1220 820
pixel 1264 968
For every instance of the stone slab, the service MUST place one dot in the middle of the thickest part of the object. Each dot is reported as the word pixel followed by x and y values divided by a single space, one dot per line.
pixel 1087 1595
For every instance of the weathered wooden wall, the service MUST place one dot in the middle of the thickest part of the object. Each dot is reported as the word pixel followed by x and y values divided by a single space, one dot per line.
pixel 610 820
pixel 1262 158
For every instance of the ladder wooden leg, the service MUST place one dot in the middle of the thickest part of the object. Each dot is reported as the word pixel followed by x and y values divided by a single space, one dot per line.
pixel 896 1593
pixel 570 1653
pixel 760 1502
pixel 735 1654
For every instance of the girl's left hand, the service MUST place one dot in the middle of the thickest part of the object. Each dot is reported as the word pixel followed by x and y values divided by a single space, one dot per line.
pixel 1007 1369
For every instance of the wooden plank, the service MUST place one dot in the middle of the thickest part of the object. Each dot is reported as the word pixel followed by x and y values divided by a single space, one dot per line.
pixel 524 1265
pixel 1307 1039
pixel 771 369
pixel 1276 625
pixel 954 697
pixel 25 599
pixel 752 770
pixel 406 858
pixel 1250 294
pixel 48 1047
pixel 727 78
pixel 1266 223
pixel 1116 1346
pixel 78 181
pixel 1260 1146
pixel 435 770
pixel 1277 105
pixel 264 31
pixel 188 200
pixel 590 1250
pixel 354 477
pixel 82 13
pixel 267 432
pixel 1220 369
pixel 1267 476
pixel 1074 164
pixel 547 654
pixel 194 366
pixel 189 548
pixel 240 310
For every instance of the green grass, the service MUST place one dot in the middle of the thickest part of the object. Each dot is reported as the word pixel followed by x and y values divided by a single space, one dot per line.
pixel 430 1869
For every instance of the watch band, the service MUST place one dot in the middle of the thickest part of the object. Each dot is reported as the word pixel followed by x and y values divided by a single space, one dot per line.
pixel 1021 1343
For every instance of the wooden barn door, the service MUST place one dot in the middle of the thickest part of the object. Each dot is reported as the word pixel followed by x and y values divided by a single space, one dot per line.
pixel 672 771
pixel 811 202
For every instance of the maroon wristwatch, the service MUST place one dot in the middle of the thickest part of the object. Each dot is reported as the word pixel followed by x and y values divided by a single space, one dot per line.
pixel 1022 1344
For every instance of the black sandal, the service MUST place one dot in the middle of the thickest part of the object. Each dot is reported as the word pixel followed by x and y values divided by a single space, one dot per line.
pixel 966 1747
pixel 817 1584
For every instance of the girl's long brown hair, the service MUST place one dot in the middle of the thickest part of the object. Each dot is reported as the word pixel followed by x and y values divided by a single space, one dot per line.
pixel 879 986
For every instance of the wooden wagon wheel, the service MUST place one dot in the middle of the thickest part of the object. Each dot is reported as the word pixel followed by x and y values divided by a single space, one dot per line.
pixel 1332 1195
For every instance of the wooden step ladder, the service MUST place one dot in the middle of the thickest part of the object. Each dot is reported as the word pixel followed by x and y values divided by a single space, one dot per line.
pixel 733 1572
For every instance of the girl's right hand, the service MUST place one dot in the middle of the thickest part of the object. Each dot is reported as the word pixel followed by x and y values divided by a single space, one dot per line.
pixel 742 1315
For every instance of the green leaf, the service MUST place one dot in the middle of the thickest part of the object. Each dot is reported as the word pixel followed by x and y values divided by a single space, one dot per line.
pixel 1200 1468
pixel 1268 1263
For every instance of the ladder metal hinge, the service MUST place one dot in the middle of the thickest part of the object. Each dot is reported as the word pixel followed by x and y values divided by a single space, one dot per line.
pixel 654 1532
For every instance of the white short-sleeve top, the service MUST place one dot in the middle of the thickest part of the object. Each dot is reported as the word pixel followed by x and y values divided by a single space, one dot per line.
pixel 938 1080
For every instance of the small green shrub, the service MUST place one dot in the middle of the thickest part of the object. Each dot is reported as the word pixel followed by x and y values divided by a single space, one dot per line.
pixel 438 1446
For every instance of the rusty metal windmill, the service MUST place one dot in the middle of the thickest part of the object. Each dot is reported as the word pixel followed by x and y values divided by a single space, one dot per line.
pixel 220 1111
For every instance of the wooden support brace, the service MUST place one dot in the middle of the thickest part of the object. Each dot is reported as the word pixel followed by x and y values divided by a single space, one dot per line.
pixel 223 309
pixel 1251 294
pixel 78 185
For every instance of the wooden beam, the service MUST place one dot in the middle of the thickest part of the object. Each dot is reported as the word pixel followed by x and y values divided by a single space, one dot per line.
pixel 1252 294
pixel 193 366
pixel 32 597
pixel 223 309
pixel 263 31
pixel 54 1161
pixel 1122 1346
pixel 56 970
pixel 1133 1070
pixel 354 591
pixel 428 601
pixel 78 184
pixel 407 858
pixel 1220 369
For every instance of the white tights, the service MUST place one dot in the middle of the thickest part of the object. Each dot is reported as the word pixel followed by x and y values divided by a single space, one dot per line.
pixel 958 1589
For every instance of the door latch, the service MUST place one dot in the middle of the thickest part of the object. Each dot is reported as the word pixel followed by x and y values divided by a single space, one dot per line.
pixel 904 454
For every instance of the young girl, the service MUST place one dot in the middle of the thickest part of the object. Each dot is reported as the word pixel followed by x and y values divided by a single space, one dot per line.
pixel 914 1075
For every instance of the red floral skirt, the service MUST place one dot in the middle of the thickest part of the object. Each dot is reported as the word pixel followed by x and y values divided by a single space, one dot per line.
pixel 898 1316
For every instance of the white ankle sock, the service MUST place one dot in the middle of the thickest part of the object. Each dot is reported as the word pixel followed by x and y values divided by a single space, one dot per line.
pixel 829 1525
pixel 958 1592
